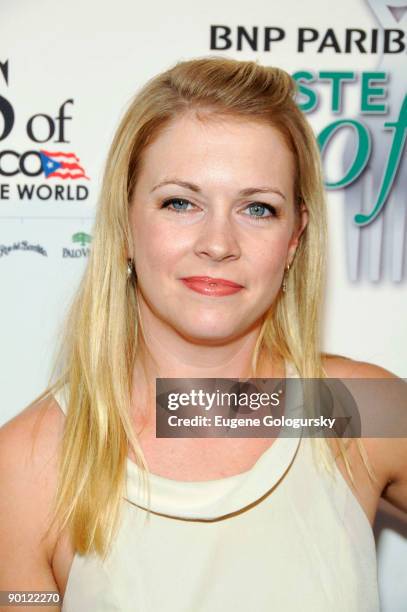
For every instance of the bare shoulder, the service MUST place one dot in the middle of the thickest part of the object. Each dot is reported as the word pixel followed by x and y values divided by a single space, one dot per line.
pixel 339 366
pixel 29 445
pixel 29 441
pixel 387 456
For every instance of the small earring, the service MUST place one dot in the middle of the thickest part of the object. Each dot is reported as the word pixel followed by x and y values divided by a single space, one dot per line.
pixel 131 270
pixel 284 285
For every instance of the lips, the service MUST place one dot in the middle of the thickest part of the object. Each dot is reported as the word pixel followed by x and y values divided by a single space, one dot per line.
pixel 207 285
pixel 211 280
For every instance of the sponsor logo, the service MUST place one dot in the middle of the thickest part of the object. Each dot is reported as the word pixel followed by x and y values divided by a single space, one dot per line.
pixel 349 40
pixel 81 239
pixel 24 245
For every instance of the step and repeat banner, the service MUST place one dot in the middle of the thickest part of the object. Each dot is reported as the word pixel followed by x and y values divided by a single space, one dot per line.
pixel 67 74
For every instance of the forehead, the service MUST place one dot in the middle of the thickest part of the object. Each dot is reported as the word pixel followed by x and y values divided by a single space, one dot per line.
pixel 219 149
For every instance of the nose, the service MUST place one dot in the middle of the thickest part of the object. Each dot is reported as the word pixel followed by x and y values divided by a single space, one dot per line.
pixel 217 238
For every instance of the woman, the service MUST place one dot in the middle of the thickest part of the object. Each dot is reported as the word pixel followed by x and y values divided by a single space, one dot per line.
pixel 207 262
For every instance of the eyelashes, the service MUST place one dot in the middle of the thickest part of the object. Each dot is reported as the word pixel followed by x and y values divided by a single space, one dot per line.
pixel 259 205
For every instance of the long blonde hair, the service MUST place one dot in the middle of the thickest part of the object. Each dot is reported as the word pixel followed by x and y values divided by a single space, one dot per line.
pixel 102 332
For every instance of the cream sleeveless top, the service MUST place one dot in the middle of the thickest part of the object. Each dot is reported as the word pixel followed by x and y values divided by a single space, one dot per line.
pixel 283 536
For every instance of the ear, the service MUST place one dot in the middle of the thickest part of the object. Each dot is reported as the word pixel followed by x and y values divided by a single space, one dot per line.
pixel 300 225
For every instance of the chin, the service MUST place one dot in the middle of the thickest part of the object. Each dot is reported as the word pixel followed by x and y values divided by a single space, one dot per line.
pixel 208 334
pixel 209 340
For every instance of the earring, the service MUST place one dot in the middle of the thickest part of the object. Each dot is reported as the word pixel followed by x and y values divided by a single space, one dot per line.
pixel 284 285
pixel 131 270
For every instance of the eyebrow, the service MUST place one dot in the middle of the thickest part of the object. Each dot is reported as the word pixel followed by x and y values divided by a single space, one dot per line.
pixel 248 191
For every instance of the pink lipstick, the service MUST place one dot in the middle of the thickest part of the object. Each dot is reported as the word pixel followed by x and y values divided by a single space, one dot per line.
pixel 211 286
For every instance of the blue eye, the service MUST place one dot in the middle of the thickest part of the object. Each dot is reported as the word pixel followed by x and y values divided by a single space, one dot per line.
pixel 174 202
pixel 259 208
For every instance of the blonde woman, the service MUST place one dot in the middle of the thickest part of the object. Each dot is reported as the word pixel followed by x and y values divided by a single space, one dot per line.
pixel 207 262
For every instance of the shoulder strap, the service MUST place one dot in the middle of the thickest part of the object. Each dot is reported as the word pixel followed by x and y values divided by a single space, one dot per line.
pixel 61 398
pixel 290 370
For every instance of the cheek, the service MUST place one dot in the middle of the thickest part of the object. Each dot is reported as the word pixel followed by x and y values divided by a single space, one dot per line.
pixel 268 258
pixel 154 246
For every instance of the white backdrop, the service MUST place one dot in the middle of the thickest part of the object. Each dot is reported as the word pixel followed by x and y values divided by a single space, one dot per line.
pixel 93 56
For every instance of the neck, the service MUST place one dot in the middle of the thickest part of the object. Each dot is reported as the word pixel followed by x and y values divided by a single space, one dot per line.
pixel 164 353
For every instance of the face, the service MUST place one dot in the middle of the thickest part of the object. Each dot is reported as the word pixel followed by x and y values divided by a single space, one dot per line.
pixel 213 199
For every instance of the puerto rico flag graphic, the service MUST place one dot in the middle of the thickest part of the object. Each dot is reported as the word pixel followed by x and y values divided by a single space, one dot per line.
pixel 61 165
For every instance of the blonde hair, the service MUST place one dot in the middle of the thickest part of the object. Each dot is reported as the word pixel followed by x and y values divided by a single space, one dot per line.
pixel 102 332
